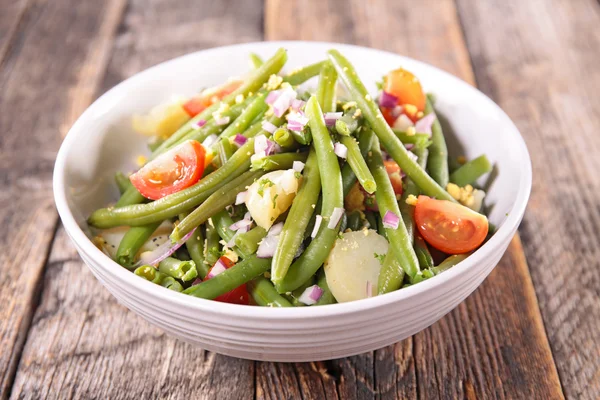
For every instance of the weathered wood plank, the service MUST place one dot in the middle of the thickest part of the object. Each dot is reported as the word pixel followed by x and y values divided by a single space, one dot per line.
pixel 483 348
pixel 10 18
pixel 548 82
pixel 43 80
pixel 81 342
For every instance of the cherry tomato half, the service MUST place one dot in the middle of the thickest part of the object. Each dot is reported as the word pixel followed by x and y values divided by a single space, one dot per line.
pixel 177 169
pixel 197 104
pixel 406 87
pixel 450 227
pixel 239 295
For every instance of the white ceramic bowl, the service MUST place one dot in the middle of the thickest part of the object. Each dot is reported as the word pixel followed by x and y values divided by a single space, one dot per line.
pixel 102 142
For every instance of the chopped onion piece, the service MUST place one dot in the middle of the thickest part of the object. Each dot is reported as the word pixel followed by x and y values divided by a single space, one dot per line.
pixel 396 111
pixel 409 146
pixel 403 123
pixel 267 247
pixel 336 215
pixel 390 220
pixel 387 100
pixel 209 141
pixel 331 117
pixel 297 104
pixel 272 96
pixel 242 223
pixel 260 144
pixel 218 268
pixel 424 124
pixel 272 147
pixel 241 197
pixel 413 156
pixel 199 124
pixel 298 166
pixel 283 101
pixel 315 230
pixel 340 150
pixel 220 120
pixel 311 295
pixel 163 251
pixel 240 140
pixel 275 229
pixel 269 127
pixel 297 118
pixel 294 126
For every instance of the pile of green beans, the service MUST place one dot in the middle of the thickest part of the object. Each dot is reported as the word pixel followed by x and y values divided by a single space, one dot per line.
pixel 204 214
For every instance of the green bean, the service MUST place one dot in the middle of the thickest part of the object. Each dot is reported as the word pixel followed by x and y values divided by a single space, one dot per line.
pixel 358 164
pixel 184 270
pixel 251 84
pixel 313 218
pixel 264 294
pixel 423 254
pixel 278 161
pixel 297 220
pixel 149 273
pixel 354 221
pixel 195 246
pixel 380 228
pixel 255 60
pixel 304 137
pixel 132 242
pixel 131 196
pixel 242 272
pixel 216 202
pixel 386 201
pixel 469 172
pixel 418 139
pixel 122 182
pixel 255 109
pixel 283 137
pixel 327 297
pixel 390 274
pixel 331 181
pixel 248 241
pixel 222 221
pixel 371 220
pixel 348 179
pixel 407 210
pixel 154 143
pixel 371 113
pixel 437 164
pixel 213 251
pixel 257 129
pixel 343 223
pixel 326 88
pixel 294 296
pixel 301 75
pixel 171 205
pixel 348 123
pixel 225 150
pixel 449 263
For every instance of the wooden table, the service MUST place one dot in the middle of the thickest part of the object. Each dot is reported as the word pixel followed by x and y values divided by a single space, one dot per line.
pixel 527 332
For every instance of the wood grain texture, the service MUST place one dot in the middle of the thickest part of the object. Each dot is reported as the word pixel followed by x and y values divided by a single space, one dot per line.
pixel 81 343
pixel 10 19
pixel 49 55
pixel 548 82
pixel 483 349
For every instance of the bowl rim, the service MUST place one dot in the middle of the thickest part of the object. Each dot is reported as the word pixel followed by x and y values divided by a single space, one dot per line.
pixel 83 243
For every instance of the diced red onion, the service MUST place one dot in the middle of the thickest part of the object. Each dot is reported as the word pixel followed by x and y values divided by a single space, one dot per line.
pixel 424 124
pixel 298 166
pixel 242 223
pixel 413 156
pixel 315 230
pixel 269 127
pixel 247 215
pixel 275 229
pixel 267 247
pixel 294 126
pixel 340 150
pixel 163 251
pixel 331 117
pixel 403 123
pixel 209 141
pixel 241 197
pixel 220 120
pixel 260 144
pixel 218 268
pixel 409 146
pixel 240 140
pixel 272 147
pixel 297 104
pixel 272 96
pixel 283 101
pixel 369 289
pixel 297 121
pixel 390 220
pixel 231 242
pixel 396 111
pixel 199 124
pixel 336 215
pixel 387 100
pixel 311 295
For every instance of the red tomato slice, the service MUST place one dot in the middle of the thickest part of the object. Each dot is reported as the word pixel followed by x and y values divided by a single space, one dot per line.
pixel 406 87
pixel 393 170
pixel 238 295
pixel 388 115
pixel 197 104
pixel 450 227
pixel 177 169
